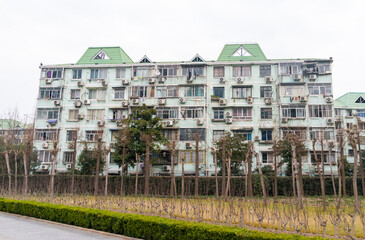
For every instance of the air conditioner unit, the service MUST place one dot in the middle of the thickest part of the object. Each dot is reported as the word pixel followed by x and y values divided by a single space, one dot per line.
pixel 101 123
pixel 48 81
pixel 169 123
pixel 135 101
pixel 228 114
pixel 151 80
pixel 182 100
pixel 80 84
pixel 161 101
pixel 188 146
pixel 269 79
pixel 303 98
pixel 284 120
pixel 44 167
pixel 257 138
pixel 57 102
pixel 80 116
pixel 125 103
pixel 189 79
pixel 162 80
pixel 200 121
pixel 68 166
pixel 78 103
pixel 249 100
pixel 268 101
pixel 329 99
pixel 312 77
pixel 229 120
pixel 166 168
pixel 45 145
pixel 297 77
pixel 222 101
pixel 87 102
pixel 125 82
pixel 330 121
pixel 222 80
pixel 70 145
pixel 104 83
pixel 239 80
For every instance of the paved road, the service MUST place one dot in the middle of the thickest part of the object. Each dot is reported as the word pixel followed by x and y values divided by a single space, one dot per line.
pixel 13 227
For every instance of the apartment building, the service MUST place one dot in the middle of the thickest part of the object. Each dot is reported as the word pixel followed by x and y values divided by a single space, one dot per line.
pixel 242 91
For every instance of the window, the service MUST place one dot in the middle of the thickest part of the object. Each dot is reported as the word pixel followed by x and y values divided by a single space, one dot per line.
pixel 119 93
pixel 117 114
pixel 242 71
pixel 322 133
pixel 325 157
pixel 349 126
pixel 75 94
pixel 68 157
pixel 193 70
pixel 247 134
pixel 50 93
pixel 168 71
pixel 98 94
pixel 71 135
pixel 360 100
pixel 192 112
pixel 218 91
pixel 98 73
pixel 319 88
pixel 350 152
pixel 338 124
pixel 292 90
pixel 241 92
pixel 324 68
pixel 320 111
pixel 293 111
pixel 267 157
pixel 54 73
pixel 72 114
pixel 120 73
pixel 266 113
pixel 44 156
pixel 266 135
pixel 171 134
pixel 144 72
pixel 242 113
pixel 167 91
pixel 101 55
pixel 192 134
pixel 95 114
pixel 45 134
pixel 143 91
pixel 47 113
pixel 193 91
pixel 361 113
pixel 218 72
pixel 338 112
pixel 218 113
pixel 91 136
pixel 76 73
pixel 168 112
pixel 114 135
pixel 163 157
pixel 217 134
pixel 300 133
pixel 290 68
pixel 265 91
pixel 190 157
pixel 265 70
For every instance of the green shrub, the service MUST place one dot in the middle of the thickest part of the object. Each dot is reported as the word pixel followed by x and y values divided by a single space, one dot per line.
pixel 132 225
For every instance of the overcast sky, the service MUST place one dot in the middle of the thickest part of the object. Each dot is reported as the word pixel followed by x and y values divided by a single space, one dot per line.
pixel 55 32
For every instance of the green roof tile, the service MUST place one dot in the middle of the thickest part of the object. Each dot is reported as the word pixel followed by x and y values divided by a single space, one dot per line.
pixel 116 56
pixel 348 100
pixel 253 49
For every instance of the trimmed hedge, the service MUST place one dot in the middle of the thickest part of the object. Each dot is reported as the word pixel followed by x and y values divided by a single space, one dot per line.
pixel 132 225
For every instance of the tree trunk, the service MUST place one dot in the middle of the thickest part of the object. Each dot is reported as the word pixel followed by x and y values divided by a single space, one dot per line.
pixel 293 178
pixel 361 164
pixel 224 169
pixel 182 179
pixel 323 179
pixel 15 172
pixel 173 181
pixel 249 173
pixel 228 188
pixel 275 178
pixel 147 167
pixel 51 182
pixel 296 173
pixel 261 178
pixel 25 183
pixel 106 172
pixel 97 170
pixel 136 183
pixel 122 170
pixel 332 177
pixel 354 179
pixel 8 168
pixel 343 175
pixel 320 175
pixel 73 166
pixel 216 173
pixel 196 192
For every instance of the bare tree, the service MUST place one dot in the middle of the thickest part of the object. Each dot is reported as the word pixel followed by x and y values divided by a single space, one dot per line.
pixel 214 152
pixel 320 171
pixel 182 177
pixel 107 150
pixel 54 152
pixel 248 188
pixel 296 172
pixel 351 134
pixel 74 162
pixel 196 188
pixel 261 175
pixel 173 191
pixel 99 149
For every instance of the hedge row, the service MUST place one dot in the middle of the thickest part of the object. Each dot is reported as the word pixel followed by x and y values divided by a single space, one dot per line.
pixel 137 226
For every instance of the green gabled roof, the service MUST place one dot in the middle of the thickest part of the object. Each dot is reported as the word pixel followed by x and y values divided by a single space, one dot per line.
pixel 348 100
pixel 253 49
pixel 116 56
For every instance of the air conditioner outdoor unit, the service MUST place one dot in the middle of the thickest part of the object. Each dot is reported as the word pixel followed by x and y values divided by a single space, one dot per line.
pixel 269 79
pixel 284 120
pixel 151 80
pixel 268 101
pixel 80 84
pixel 125 82
pixel 303 98
pixel 297 77
pixel 229 120
pixel 188 145
pixel 329 99
pixel 48 81
pixel 200 121
pixel 222 80
pixel 80 116
pixel 167 168
pixel 169 123
pixel 135 101
pixel 87 102
pixel 104 83
pixel 228 114
pixel 68 166
pixel 70 145
pixel 182 100
pixel 78 103
pixel 125 103
pixel 161 101
pixel 312 77
pixel 250 100
pixel 57 102
pixel 189 79
pixel 257 138
pixel 239 80
pixel 162 80
pixel 45 145
pixel 329 121
pixel 44 167
pixel 222 101
pixel 101 123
